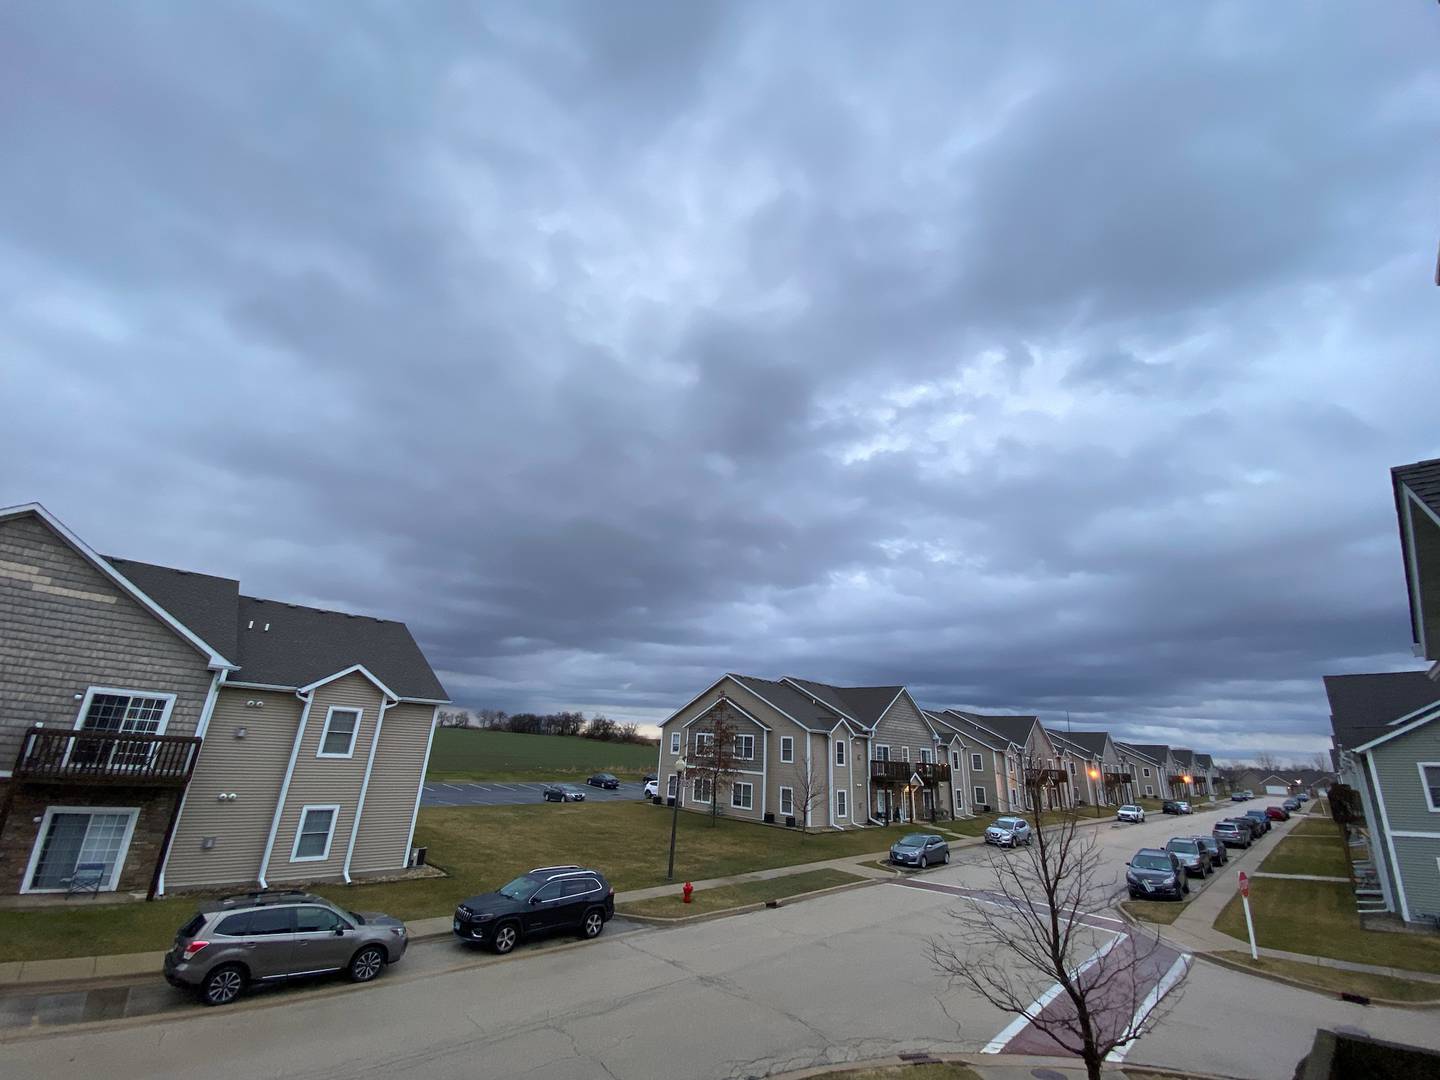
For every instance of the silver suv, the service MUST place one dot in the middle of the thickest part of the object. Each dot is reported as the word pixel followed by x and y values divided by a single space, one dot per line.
pixel 267 936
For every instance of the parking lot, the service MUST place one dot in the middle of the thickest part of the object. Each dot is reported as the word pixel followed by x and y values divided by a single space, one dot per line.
pixel 511 793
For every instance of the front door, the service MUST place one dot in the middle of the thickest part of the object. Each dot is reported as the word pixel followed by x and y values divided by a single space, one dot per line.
pixel 323 940
pixel 546 908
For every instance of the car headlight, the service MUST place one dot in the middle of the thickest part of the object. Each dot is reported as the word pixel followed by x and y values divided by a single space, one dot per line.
pixel 485 917
pixel 398 931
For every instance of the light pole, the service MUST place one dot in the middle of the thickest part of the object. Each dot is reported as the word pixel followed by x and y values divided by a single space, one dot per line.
pixel 675 817
pixel 1095 775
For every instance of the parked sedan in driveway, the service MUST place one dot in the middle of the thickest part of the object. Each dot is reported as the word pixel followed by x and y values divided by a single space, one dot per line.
pixel 1191 855
pixel 1009 832
pixel 1214 848
pixel 562 793
pixel 1233 834
pixel 1152 874
pixel 920 849
pixel 606 780
pixel 1130 812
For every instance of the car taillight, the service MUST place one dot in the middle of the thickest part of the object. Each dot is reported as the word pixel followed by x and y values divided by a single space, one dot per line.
pixel 193 949
pixel 610 891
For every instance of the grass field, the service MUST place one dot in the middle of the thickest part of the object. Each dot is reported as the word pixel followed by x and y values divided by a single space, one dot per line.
pixel 1318 918
pixel 463 754
pixel 733 896
pixel 1164 912
pixel 481 848
pixel 1309 853
pixel 1336 980
pixel 1315 827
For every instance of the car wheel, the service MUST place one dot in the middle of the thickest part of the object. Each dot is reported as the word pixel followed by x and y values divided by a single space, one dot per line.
pixel 1186 888
pixel 947 858
pixel 924 862
pixel 506 935
pixel 223 985
pixel 367 963
pixel 594 923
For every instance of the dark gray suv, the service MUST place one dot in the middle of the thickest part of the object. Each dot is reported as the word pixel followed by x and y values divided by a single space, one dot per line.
pixel 267 936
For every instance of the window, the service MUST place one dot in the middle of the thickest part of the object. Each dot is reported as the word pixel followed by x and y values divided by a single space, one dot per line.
pixel 977 763
pixel 1013 799
pixel 338 738
pixel 787 802
pixel 553 891
pixel 233 926
pixel 703 739
pixel 1149 790
pixel 925 755
pixel 955 759
pixel 318 920
pixel 882 752
pixel 959 799
pixel 121 711
pixel 841 807
pixel 745 747
pixel 581 886
pixel 670 786
pixel 839 751
pixel 701 789
pixel 1072 768
pixel 904 753
pixel 1430 777
pixel 787 748
pixel 312 839
pixel 268 922
pixel 1147 773
pixel 979 796
pixel 742 796
pixel 89 840
pixel 674 742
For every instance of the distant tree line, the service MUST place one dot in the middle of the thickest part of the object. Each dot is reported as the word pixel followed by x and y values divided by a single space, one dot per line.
pixel 574 724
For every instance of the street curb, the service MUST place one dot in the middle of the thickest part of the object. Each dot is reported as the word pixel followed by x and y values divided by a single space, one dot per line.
pixel 1325 991
pixel 685 920
pixel 980 1063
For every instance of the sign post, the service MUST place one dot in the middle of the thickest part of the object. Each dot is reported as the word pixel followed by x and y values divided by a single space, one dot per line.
pixel 1249 922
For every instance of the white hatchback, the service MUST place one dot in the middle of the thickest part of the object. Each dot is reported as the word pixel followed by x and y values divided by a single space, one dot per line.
pixel 652 788
pixel 1130 812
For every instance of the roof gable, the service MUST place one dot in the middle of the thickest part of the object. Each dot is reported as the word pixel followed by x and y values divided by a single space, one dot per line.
pixel 1363 706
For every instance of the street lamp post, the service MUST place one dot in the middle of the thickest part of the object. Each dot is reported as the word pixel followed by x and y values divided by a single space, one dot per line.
pixel 675 817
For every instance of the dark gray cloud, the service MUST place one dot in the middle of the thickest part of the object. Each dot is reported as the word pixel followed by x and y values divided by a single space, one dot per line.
pixel 1039 362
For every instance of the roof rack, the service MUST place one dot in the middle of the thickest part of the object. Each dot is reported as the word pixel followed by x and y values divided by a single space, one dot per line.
pixel 264 896
pixel 567 866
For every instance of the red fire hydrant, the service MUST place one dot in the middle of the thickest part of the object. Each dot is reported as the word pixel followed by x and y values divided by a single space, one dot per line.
pixel 687 891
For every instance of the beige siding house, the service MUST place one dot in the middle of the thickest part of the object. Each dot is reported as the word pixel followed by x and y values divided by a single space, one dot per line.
pixel 160 730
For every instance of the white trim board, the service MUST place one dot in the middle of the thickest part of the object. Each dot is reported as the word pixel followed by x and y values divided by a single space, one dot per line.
pixel 353 669
pixel 1431 712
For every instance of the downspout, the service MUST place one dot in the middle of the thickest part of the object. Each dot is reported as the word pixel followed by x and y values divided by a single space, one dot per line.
pixel 157 885
pixel 385 703
pixel 285 787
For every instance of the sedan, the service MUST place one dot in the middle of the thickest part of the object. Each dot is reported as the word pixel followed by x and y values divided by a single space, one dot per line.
pixel 563 793
pixel 1292 805
pixel 1277 813
pixel 606 780
pixel 1261 816
pixel 1238 796
pixel 1233 834
pixel 1152 873
pixel 920 850
pixel 1130 812
pixel 1009 832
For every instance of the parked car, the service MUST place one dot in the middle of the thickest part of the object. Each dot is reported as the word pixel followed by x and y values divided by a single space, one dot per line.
pixel 608 781
pixel 652 788
pixel 1152 873
pixel 1233 834
pixel 548 899
pixel 1130 812
pixel 1255 825
pixel 1277 813
pixel 650 776
pixel 1238 796
pixel 1214 848
pixel 920 849
pixel 1194 858
pixel 1261 816
pixel 1303 797
pixel 562 793
pixel 1292 804
pixel 267 936
pixel 1009 832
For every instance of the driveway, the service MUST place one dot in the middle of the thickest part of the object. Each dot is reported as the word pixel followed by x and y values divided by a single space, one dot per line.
pixel 513 792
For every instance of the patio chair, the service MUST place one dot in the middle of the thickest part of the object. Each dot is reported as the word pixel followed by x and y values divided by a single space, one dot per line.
pixel 86 880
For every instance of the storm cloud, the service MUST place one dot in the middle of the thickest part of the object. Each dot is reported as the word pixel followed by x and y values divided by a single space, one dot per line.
pixel 1039 360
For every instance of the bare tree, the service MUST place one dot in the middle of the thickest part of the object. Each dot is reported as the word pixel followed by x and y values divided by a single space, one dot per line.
pixel 1267 763
pixel 1048 936
pixel 713 763
pixel 808 794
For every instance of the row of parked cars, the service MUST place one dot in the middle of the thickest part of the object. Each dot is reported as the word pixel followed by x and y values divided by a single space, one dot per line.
pixel 270 936
pixel 1165 873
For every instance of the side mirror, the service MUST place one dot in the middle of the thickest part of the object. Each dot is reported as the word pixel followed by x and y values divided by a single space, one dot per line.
pixel 535 899
pixel 339 931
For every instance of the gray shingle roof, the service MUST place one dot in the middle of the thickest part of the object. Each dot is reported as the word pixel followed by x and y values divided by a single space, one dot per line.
pixel 1154 751
pixel 1362 705
pixel 864 703
pixel 1423 478
pixel 790 701
pixel 1184 758
pixel 1204 761
pixel 1133 748
pixel 1015 729
pixel 962 723
pixel 302 645
pixel 1092 742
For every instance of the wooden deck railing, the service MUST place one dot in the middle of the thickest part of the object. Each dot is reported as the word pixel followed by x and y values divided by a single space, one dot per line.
pixel 900 772
pixel 53 755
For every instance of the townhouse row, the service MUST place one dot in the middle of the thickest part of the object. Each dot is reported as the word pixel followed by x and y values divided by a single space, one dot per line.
pixel 809 754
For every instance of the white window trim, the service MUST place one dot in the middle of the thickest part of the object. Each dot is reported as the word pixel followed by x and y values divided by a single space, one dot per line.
pixel 1425 784
pixel 875 750
pixel 1149 791
pixel 51 811
pixel 738 742
pixel 926 756
pixel 674 742
pixel 979 794
pixel 697 790
pixel 787 748
pixel 672 786
pixel 354 732
pixel 905 753
pixel 977 763
pixel 92 691
pixel 295 855
pixel 1146 772
pixel 842 803
pixel 735 795
pixel 842 752
pixel 703 735
pixel 783 792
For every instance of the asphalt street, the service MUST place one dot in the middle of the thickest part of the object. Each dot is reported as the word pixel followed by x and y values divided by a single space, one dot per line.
pixel 513 792
pixel 839 978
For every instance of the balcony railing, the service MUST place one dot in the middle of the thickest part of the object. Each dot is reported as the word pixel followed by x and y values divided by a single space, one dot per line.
pixel 1047 776
pixel 900 772
pixel 1119 777
pixel 52 755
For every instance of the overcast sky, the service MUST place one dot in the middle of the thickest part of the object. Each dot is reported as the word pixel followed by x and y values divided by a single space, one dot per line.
pixel 1040 361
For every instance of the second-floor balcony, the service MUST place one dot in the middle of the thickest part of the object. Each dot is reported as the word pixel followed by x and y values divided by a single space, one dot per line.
pixel 901 772
pixel 1047 776
pixel 58 756
pixel 1112 777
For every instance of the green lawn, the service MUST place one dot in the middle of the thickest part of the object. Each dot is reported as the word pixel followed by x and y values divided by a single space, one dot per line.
pixel 481 848
pixel 1309 853
pixel 733 896
pixel 463 754
pixel 1164 912
pixel 1318 918
pixel 1315 827
pixel 1335 980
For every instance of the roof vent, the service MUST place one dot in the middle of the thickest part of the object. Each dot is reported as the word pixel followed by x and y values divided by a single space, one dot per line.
pixel 251 626
pixel 267 628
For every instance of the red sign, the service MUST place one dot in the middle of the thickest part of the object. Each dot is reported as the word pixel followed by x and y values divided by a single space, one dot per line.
pixel 1244 884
